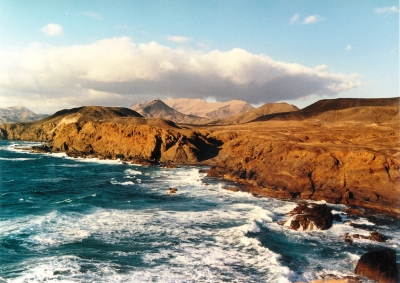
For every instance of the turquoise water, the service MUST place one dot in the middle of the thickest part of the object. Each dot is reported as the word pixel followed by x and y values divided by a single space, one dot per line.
pixel 77 220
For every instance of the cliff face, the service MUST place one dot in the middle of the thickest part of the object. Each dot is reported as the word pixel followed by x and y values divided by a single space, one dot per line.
pixel 352 165
pixel 134 142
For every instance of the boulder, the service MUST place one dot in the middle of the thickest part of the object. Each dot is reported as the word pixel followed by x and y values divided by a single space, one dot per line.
pixel 310 216
pixel 379 266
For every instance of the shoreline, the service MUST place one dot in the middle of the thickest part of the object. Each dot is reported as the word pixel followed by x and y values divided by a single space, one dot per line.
pixel 255 191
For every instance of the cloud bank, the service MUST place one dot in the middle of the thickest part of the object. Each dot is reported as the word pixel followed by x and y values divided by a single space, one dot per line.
pixel 118 71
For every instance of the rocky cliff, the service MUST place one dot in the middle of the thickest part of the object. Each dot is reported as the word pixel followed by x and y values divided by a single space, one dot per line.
pixel 353 162
pixel 134 142
pixel 115 133
pixel 350 164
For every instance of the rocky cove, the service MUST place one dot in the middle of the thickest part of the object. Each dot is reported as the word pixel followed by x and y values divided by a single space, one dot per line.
pixel 356 164
pixel 350 163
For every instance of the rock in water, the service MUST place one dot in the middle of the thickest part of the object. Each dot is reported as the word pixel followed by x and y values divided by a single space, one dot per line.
pixel 311 216
pixel 379 266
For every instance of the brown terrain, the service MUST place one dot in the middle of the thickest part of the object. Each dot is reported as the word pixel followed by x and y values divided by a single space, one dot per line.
pixel 342 151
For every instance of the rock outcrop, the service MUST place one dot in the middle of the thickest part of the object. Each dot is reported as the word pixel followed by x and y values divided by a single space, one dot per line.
pixel 134 142
pixel 353 162
pixel 373 236
pixel 379 266
pixel 310 216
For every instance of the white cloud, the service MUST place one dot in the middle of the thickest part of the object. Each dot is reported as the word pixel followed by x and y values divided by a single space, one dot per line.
pixel 295 18
pixel 92 15
pixel 313 19
pixel 52 30
pixel 178 39
pixel 348 47
pixel 387 10
pixel 117 71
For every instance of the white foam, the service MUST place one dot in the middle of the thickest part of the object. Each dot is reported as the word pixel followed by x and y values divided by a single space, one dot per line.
pixel 132 172
pixel 17 159
pixel 53 229
pixel 178 248
pixel 70 165
pixel 114 182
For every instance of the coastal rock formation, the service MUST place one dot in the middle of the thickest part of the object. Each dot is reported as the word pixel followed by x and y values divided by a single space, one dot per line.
pixel 349 163
pixel 131 141
pixel 112 132
pixel 310 216
pixel 374 236
pixel 319 155
pixel 379 266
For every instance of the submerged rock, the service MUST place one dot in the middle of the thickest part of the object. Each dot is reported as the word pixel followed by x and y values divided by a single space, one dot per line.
pixel 379 266
pixel 41 149
pixel 311 216
pixel 374 236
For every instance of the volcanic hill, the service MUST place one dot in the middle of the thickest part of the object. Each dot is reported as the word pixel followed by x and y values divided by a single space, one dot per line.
pixel 377 110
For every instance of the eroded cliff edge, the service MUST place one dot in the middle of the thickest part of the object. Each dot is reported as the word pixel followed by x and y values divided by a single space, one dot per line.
pixel 348 163
pixel 353 163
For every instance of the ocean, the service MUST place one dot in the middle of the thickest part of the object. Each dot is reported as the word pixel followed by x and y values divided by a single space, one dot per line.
pixel 87 220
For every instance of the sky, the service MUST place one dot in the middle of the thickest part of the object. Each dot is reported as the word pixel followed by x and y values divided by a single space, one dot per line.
pixel 62 54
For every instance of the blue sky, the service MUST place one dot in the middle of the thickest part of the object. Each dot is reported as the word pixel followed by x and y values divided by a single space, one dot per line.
pixel 62 54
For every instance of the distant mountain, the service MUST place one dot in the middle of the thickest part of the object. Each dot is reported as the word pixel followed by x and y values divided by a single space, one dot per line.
pixel 268 108
pixel 375 110
pixel 158 109
pixel 19 114
pixel 211 110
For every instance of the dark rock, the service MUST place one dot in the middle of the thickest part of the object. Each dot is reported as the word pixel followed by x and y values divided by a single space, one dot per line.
pixel 213 172
pixel 310 217
pixel 379 266
pixel 337 218
pixel 232 189
pixel 374 236
pixel 41 149
pixel 377 237
pixel 172 191
pixel 361 226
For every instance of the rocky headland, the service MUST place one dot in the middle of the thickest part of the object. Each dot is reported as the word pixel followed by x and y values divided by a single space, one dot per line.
pixel 342 151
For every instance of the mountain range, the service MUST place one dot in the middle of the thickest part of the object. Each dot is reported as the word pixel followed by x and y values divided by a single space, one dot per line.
pixel 199 111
